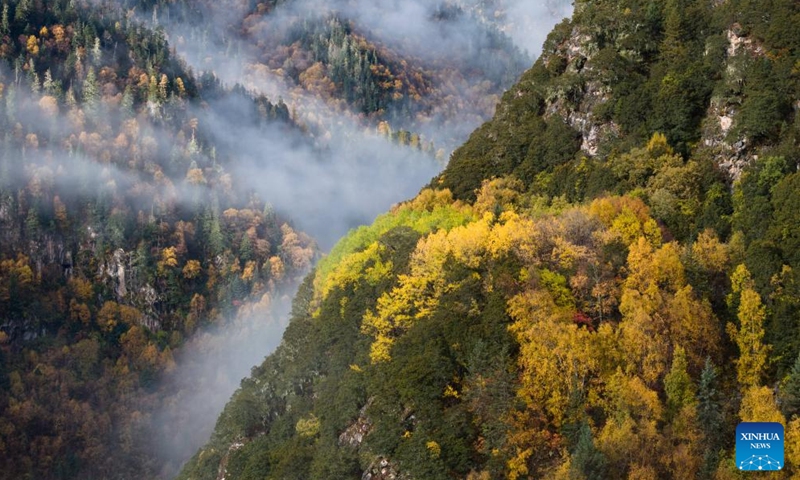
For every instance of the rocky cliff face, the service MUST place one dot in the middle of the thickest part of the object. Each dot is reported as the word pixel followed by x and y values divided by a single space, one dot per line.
pixel 583 88
pixel 580 91
pixel 732 150
pixel 619 72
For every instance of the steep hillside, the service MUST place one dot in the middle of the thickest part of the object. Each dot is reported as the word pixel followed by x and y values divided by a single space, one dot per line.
pixel 601 284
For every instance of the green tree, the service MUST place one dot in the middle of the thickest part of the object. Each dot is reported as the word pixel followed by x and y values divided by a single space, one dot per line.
pixel 216 240
pixel 783 227
pixel 91 94
pixel 97 53
pixel 21 13
pixel 32 224
pixel 678 384
pixel 4 28
pixel 246 248
pixel 587 461
pixel 126 105
pixel 709 417
pixel 790 392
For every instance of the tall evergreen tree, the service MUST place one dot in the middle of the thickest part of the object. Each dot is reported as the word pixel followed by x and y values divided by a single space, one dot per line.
pixel 678 384
pixel 587 461
pixel 790 392
pixel 21 13
pixel 91 94
pixel 709 417
pixel 4 27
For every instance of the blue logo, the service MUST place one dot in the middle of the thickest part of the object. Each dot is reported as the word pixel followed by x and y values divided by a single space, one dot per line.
pixel 759 446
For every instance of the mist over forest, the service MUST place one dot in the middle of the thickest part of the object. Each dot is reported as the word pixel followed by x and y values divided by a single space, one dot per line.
pixel 398 239
pixel 350 173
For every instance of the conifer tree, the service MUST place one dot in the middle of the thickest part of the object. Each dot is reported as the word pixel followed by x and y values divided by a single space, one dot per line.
pixel 126 105
pixel 21 13
pixel 709 417
pixel 246 248
pixel 790 392
pixel 97 53
pixel 4 27
pixel 678 385
pixel 587 460
pixel 49 85
pixel 91 93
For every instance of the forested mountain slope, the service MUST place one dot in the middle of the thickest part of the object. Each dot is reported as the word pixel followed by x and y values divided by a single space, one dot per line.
pixel 601 284
pixel 421 71
pixel 121 234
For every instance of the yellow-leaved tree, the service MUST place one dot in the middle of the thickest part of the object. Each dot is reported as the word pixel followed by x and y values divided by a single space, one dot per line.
pixel 630 437
pixel 417 294
pixel 681 434
pixel 749 335
pixel 556 364
pixel 555 356
pixel 659 310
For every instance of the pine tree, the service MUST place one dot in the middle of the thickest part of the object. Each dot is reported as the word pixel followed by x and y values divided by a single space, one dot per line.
pixel 33 77
pixel 4 27
pixel 91 93
pixel 587 460
pixel 97 53
pixel 21 13
pixel 36 85
pixel 678 384
pixel 216 241
pixel 246 248
pixel 32 225
pixel 790 392
pixel 709 417
pixel 126 105
pixel 675 28
pixel 50 87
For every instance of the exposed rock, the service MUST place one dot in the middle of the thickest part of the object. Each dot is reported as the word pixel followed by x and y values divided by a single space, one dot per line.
pixel 354 434
pixel 146 301
pixel 738 43
pixel 725 123
pixel 223 464
pixel 732 153
pixel 731 156
pixel 382 469
pixel 113 272
pixel 576 99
